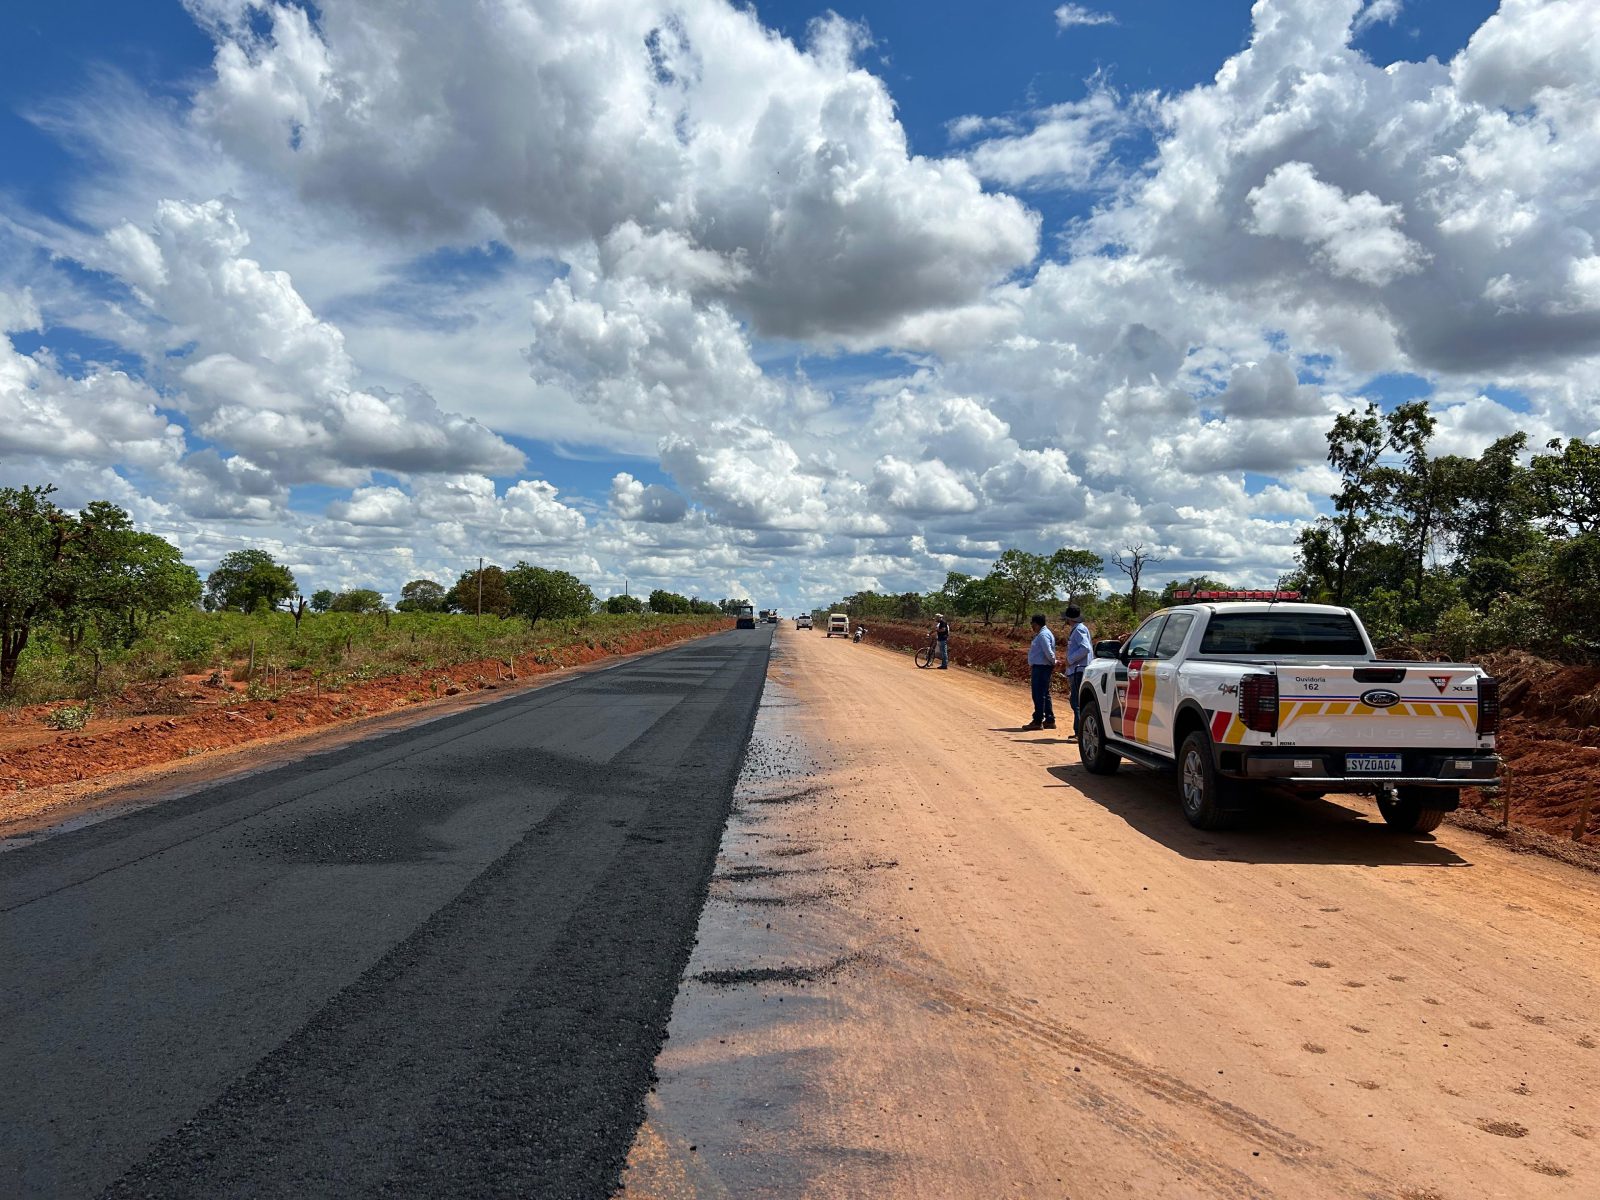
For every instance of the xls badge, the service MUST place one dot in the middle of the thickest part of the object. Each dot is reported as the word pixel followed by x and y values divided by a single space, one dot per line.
pixel 1380 698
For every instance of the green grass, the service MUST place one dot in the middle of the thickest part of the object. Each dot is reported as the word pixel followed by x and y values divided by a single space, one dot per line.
pixel 334 647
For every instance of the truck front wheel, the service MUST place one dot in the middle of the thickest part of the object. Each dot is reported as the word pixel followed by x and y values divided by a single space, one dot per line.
pixel 1092 750
pixel 1200 787
pixel 1417 810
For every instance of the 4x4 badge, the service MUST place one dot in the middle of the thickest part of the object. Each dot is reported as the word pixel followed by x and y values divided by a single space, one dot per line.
pixel 1440 681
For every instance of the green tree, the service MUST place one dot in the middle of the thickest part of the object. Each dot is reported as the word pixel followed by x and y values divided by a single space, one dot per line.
pixel 422 595
pixel 538 592
pixel 359 600
pixel 73 571
pixel 1077 573
pixel 979 598
pixel 138 577
pixel 701 607
pixel 321 600
pixel 624 604
pixel 463 597
pixel 662 601
pixel 1024 579
pixel 1490 509
pixel 1565 488
pixel 248 581
pixel 1355 447
pixel 37 568
pixel 1417 502
pixel 908 605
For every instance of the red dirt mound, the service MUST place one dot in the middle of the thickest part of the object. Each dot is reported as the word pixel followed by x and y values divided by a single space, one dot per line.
pixel 1550 739
pixel 997 649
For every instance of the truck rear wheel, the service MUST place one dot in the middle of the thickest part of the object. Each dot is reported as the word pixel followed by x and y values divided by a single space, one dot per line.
pixel 1096 758
pixel 1206 801
pixel 1418 810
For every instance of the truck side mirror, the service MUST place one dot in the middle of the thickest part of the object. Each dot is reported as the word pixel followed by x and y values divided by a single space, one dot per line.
pixel 1108 649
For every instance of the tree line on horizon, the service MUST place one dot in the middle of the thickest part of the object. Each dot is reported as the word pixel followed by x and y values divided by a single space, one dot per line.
pixel 91 576
pixel 1457 554
pixel 1021 582
pixel 1462 553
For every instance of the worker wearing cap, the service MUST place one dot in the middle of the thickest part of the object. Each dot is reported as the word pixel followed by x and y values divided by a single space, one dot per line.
pixel 941 631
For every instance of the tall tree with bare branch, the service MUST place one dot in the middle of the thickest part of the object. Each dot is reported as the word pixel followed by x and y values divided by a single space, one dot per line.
pixel 1131 561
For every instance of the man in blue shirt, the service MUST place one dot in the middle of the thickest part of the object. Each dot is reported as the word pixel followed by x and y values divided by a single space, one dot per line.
pixel 1041 667
pixel 1080 649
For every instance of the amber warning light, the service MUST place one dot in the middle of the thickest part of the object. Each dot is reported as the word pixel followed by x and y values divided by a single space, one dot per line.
pixel 1186 595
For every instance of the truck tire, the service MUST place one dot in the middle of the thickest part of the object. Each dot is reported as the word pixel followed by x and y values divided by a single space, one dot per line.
pixel 1412 810
pixel 1206 800
pixel 1097 759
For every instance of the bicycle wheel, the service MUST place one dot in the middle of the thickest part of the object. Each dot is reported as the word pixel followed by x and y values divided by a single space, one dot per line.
pixel 925 656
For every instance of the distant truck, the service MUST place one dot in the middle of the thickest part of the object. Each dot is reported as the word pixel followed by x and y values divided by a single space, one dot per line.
pixel 803 621
pixel 746 618
pixel 1232 692
pixel 838 624
pixel 770 615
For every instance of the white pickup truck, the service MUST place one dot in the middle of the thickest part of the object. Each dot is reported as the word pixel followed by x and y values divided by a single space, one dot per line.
pixel 1291 694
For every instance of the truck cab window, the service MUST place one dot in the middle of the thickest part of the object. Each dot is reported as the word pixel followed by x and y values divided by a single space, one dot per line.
pixel 1142 644
pixel 1172 636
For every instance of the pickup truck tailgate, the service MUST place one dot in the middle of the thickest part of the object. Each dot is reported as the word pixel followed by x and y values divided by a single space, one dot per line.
pixel 1378 705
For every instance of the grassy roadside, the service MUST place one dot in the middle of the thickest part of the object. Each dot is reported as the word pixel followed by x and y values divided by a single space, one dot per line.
pixel 268 651
pixel 182 715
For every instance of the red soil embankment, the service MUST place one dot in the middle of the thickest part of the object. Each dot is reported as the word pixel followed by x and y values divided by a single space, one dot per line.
pixel 997 649
pixel 1550 739
pixel 191 719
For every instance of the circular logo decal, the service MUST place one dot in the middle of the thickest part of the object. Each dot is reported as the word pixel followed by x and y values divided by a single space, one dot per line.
pixel 1380 698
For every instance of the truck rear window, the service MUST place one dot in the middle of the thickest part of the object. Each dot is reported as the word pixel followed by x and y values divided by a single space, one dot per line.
pixel 1285 632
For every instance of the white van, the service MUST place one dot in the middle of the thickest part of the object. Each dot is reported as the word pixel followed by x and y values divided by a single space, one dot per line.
pixel 838 623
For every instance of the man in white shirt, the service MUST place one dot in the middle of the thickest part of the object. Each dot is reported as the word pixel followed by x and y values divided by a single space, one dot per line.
pixel 1080 649
pixel 1041 668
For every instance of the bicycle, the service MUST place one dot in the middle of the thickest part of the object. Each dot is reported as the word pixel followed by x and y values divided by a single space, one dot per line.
pixel 925 655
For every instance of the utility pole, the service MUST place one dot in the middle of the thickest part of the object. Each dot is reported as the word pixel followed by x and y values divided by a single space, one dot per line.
pixel 479 620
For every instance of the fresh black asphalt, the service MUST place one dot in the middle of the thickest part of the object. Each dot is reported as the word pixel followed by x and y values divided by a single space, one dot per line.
pixel 438 962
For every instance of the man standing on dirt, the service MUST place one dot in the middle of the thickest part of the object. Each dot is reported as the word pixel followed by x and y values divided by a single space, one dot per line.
pixel 1041 668
pixel 941 631
pixel 1080 649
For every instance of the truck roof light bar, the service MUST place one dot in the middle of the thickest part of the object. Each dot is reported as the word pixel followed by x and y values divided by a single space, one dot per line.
pixel 1209 595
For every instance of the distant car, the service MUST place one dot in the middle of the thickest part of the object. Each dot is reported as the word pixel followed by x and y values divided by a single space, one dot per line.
pixel 838 623
pixel 803 621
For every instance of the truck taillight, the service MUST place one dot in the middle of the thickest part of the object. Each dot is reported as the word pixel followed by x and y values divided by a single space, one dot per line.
pixel 1258 703
pixel 1488 706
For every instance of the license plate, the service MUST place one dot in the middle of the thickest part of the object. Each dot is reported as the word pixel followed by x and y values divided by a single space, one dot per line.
pixel 1372 764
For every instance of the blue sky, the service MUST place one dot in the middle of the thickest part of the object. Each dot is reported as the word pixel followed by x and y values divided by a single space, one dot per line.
pixel 728 336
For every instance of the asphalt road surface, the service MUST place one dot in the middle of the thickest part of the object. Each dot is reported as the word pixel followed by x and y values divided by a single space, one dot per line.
pixel 437 962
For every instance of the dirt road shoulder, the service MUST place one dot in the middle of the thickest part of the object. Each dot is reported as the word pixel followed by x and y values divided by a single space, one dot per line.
pixel 941 959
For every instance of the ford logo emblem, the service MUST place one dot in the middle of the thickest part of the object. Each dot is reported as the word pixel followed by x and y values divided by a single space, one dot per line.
pixel 1380 698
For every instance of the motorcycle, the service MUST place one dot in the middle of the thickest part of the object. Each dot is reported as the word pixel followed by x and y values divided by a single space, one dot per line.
pixel 861 632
